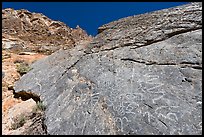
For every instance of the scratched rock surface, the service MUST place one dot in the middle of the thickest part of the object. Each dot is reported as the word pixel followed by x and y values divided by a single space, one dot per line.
pixel 140 75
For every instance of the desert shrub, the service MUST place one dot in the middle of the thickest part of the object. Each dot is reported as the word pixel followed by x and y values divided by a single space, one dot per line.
pixel 18 61
pixel 18 122
pixel 6 56
pixel 39 107
pixel 23 68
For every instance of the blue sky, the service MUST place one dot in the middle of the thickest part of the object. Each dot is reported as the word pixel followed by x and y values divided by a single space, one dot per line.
pixel 89 15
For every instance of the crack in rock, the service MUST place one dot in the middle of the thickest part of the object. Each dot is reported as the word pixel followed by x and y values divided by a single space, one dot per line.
pixel 182 64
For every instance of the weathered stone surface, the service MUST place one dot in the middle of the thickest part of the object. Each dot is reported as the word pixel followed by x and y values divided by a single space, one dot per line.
pixel 3 74
pixel 17 110
pixel 26 31
pixel 140 75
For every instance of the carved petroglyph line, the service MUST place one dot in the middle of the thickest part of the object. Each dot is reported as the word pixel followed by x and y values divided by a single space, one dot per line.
pixel 150 75
pixel 158 85
pixel 170 115
pixel 109 102
pixel 38 83
pixel 150 81
pixel 125 120
pixel 97 131
pixel 94 99
pixel 95 95
pixel 159 108
pixel 199 125
pixel 121 111
pixel 84 125
pixel 133 72
pixel 159 97
pixel 40 86
pixel 158 92
pixel 121 123
pixel 138 97
pixel 160 115
pixel 129 108
pixel 148 116
pixel 129 97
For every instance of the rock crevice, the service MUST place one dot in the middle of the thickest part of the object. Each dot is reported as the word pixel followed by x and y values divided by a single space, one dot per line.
pixel 194 65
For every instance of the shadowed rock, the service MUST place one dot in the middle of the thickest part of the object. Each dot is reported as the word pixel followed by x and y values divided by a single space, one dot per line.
pixel 140 75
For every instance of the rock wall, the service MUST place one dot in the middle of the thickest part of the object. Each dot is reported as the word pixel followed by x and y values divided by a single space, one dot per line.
pixel 140 75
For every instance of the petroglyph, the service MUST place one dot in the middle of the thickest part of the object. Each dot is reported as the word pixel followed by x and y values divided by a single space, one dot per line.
pixel 167 112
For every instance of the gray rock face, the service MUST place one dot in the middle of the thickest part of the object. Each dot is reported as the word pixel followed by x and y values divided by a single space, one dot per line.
pixel 3 74
pixel 140 75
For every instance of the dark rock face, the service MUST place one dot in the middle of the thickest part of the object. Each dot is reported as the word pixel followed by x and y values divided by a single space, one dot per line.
pixel 140 75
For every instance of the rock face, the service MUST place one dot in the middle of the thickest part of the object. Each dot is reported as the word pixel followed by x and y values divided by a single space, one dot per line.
pixel 140 75
pixel 23 30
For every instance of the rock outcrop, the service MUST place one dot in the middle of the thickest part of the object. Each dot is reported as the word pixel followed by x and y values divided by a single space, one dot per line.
pixel 26 31
pixel 140 75
pixel 27 37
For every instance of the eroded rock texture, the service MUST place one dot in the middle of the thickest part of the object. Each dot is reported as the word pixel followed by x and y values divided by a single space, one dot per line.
pixel 23 30
pixel 140 75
